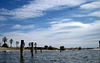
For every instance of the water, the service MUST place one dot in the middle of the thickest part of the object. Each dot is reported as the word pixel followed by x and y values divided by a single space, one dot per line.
pixel 83 56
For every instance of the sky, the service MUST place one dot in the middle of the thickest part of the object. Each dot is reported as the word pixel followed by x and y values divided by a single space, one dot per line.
pixel 69 23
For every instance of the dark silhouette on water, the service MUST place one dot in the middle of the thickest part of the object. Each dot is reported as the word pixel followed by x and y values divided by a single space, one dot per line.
pixel 22 59
pixel 41 50
pixel 62 48
pixel 32 49
pixel 35 47
pixel 46 47
pixel 22 49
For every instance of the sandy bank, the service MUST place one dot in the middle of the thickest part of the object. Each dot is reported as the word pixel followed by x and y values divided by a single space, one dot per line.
pixel 2 49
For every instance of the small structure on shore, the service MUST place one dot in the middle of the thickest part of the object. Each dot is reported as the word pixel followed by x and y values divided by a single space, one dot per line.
pixel 99 44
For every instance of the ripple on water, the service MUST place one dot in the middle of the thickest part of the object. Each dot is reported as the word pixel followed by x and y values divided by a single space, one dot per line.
pixel 84 56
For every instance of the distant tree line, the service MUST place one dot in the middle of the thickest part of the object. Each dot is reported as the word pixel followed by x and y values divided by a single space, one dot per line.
pixel 4 39
pixel 46 47
pixel 50 47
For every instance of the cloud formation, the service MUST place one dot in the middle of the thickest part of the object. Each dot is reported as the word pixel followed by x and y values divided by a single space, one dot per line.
pixel 36 8
pixel 71 34
pixel 91 6
pixel 96 14
pixel 93 14
pixel 2 18
pixel 23 26
pixel 67 30
pixel 89 9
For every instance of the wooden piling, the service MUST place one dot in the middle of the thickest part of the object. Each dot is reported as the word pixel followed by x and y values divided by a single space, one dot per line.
pixel 60 49
pixel 35 47
pixel 32 49
pixel 22 49
pixel 41 50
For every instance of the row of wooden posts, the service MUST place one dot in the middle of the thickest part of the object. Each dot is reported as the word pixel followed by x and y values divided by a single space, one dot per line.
pixel 22 49
pixel 32 49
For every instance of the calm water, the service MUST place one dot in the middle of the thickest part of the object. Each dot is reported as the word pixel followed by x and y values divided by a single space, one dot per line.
pixel 84 56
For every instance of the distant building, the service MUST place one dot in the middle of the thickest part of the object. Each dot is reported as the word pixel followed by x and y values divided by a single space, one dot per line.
pixel 99 44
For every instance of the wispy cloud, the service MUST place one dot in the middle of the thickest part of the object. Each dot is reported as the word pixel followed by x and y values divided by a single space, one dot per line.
pixel 70 33
pixel 2 18
pixel 96 14
pixel 89 9
pixel 23 26
pixel 61 30
pixel 91 6
pixel 36 8
pixel 59 20
pixel 79 15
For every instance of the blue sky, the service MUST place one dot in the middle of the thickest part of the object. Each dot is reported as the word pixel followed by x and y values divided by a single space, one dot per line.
pixel 71 23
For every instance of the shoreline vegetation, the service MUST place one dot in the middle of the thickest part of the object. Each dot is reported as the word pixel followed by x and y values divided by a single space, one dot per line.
pixel 8 48
pixel 14 49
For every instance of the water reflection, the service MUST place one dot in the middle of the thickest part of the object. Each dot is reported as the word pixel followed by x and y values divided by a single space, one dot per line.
pixel 22 59
pixel 52 57
pixel 5 57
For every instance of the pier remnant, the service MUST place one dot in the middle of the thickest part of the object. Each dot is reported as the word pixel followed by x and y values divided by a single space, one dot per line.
pixel 60 49
pixel 41 50
pixel 35 47
pixel 22 49
pixel 32 49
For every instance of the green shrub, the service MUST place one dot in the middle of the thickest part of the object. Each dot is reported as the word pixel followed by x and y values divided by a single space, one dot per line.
pixel 5 45
pixel 62 48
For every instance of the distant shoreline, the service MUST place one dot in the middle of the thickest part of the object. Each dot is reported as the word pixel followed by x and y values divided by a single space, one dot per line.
pixel 2 49
pixel 95 49
pixel 24 50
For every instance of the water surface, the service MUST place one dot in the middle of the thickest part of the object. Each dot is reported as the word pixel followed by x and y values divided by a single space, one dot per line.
pixel 83 56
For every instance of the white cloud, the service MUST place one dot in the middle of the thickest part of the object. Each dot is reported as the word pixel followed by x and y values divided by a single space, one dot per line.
pixel 90 6
pixel 78 15
pixel 96 14
pixel 59 20
pixel 90 9
pixel 71 34
pixel 37 7
pixel 69 24
pixel 4 10
pixel 23 26
pixel 2 18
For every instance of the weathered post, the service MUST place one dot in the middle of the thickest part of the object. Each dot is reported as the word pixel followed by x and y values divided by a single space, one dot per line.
pixel 60 49
pixel 41 50
pixel 22 48
pixel 32 49
pixel 35 47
